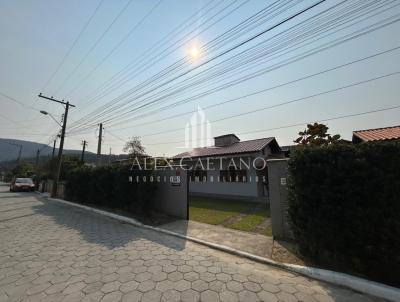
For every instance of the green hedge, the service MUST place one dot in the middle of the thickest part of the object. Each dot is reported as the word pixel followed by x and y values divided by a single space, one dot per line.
pixel 109 187
pixel 344 206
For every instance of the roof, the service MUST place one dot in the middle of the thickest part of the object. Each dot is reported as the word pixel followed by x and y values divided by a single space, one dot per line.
pixel 250 146
pixel 378 134
pixel 226 135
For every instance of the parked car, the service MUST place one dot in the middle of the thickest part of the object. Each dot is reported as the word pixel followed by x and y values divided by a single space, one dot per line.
pixel 22 184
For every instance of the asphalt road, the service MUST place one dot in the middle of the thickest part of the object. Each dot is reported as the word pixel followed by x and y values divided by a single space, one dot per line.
pixel 54 252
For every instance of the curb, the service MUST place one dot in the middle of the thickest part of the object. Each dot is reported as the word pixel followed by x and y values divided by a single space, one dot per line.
pixel 355 283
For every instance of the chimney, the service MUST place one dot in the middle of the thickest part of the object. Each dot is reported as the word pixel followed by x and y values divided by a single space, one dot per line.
pixel 225 140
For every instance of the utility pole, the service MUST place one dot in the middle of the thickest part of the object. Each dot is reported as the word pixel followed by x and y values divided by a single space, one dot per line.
pixel 37 157
pixel 84 144
pixel 19 152
pixel 60 149
pixel 54 149
pixel 99 144
pixel 109 158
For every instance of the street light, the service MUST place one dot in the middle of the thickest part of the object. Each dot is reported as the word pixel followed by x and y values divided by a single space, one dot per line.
pixel 62 136
pixel 49 114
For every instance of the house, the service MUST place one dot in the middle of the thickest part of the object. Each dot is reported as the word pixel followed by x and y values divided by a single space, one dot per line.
pixel 377 134
pixel 286 150
pixel 231 168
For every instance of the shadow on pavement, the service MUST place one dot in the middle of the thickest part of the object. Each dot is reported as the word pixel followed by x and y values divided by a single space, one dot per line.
pixel 98 229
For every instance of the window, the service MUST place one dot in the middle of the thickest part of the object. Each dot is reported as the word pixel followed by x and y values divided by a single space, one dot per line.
pixel 233 175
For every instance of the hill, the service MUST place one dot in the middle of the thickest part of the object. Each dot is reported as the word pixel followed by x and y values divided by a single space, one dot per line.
pixel 8 151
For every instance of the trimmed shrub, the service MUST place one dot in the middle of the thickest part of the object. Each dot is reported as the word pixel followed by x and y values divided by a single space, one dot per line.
pixel 344 207
pixel 109 187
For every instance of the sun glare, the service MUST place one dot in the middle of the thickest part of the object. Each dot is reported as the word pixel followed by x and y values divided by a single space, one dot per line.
pixel 194 52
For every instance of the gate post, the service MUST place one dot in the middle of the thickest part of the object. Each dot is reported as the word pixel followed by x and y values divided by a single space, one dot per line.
pixel 277 185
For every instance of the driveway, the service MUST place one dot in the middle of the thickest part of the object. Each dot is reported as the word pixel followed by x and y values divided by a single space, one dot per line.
pixel 54 252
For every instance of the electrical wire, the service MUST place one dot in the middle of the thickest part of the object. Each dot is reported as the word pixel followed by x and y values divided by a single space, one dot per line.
pixel 92 47
pixel 297 100
pixel 72 46
pixel 382 109
pixel 124 38
pixel 18 102
pixel 149 62
pixel 267 89
pixel 182 60
pixel 244 42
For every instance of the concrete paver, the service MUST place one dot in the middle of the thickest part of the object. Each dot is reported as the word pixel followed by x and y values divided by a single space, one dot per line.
pixel 252 243
pixel 54 252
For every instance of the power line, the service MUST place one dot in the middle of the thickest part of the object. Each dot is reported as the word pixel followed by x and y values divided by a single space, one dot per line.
pixel 150 102
pixel 230 49
pixel 268 89
pixel 93 46
pixel 238 45
pixel 131 31
pixel 18 102
pixel 300 124
pixel 284 103
pixel 126 111
pixel 336 42
pixel 115 136
pixel 231 83
pixel 73 45
pixel 148 63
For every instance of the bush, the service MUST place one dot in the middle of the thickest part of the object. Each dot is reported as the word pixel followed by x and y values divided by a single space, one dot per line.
pixel 109 187
pixel 344 207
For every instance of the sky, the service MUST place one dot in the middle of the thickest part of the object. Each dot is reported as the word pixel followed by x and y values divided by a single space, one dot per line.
pixel 125 35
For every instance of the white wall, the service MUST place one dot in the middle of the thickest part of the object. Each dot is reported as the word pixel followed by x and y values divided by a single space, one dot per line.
pixel 245 189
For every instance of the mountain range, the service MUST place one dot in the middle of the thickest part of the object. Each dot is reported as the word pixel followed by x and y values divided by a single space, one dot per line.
pixel 9 149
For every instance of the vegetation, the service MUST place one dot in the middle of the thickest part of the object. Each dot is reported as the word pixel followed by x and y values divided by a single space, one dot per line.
pixel 215 211
pixel 344 207
pixel 237 214
pixel 134 147
pixel 250 222
pixel 23 169
pixel 316 135
pixel 69 163
pixel 110 187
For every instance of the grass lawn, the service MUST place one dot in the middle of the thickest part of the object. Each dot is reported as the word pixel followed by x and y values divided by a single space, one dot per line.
pixel 215 211
pixel 251 221
pixel 235 214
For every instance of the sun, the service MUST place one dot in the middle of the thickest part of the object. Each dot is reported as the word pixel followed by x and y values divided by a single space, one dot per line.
pixel 194 52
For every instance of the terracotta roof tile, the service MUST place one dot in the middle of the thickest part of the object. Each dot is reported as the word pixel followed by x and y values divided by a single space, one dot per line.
pixel 378 134
pixel 239 147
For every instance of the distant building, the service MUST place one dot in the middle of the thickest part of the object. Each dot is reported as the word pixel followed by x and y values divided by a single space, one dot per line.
pixel 377 134
pixel 286 150
pixel 229 176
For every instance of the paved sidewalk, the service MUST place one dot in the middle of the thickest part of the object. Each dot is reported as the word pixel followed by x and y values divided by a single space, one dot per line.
pixel 55 252
pixel 256 244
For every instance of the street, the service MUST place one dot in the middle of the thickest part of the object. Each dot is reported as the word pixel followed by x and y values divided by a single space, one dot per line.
pixel 54 252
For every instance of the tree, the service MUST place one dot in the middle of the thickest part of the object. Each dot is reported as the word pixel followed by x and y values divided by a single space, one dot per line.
pixel 69 163
pixel 316 135
pixel 134 147
pixel 23 169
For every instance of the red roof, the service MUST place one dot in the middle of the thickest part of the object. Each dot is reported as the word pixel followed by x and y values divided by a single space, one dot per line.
pixel 250 146
pixel 378 134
